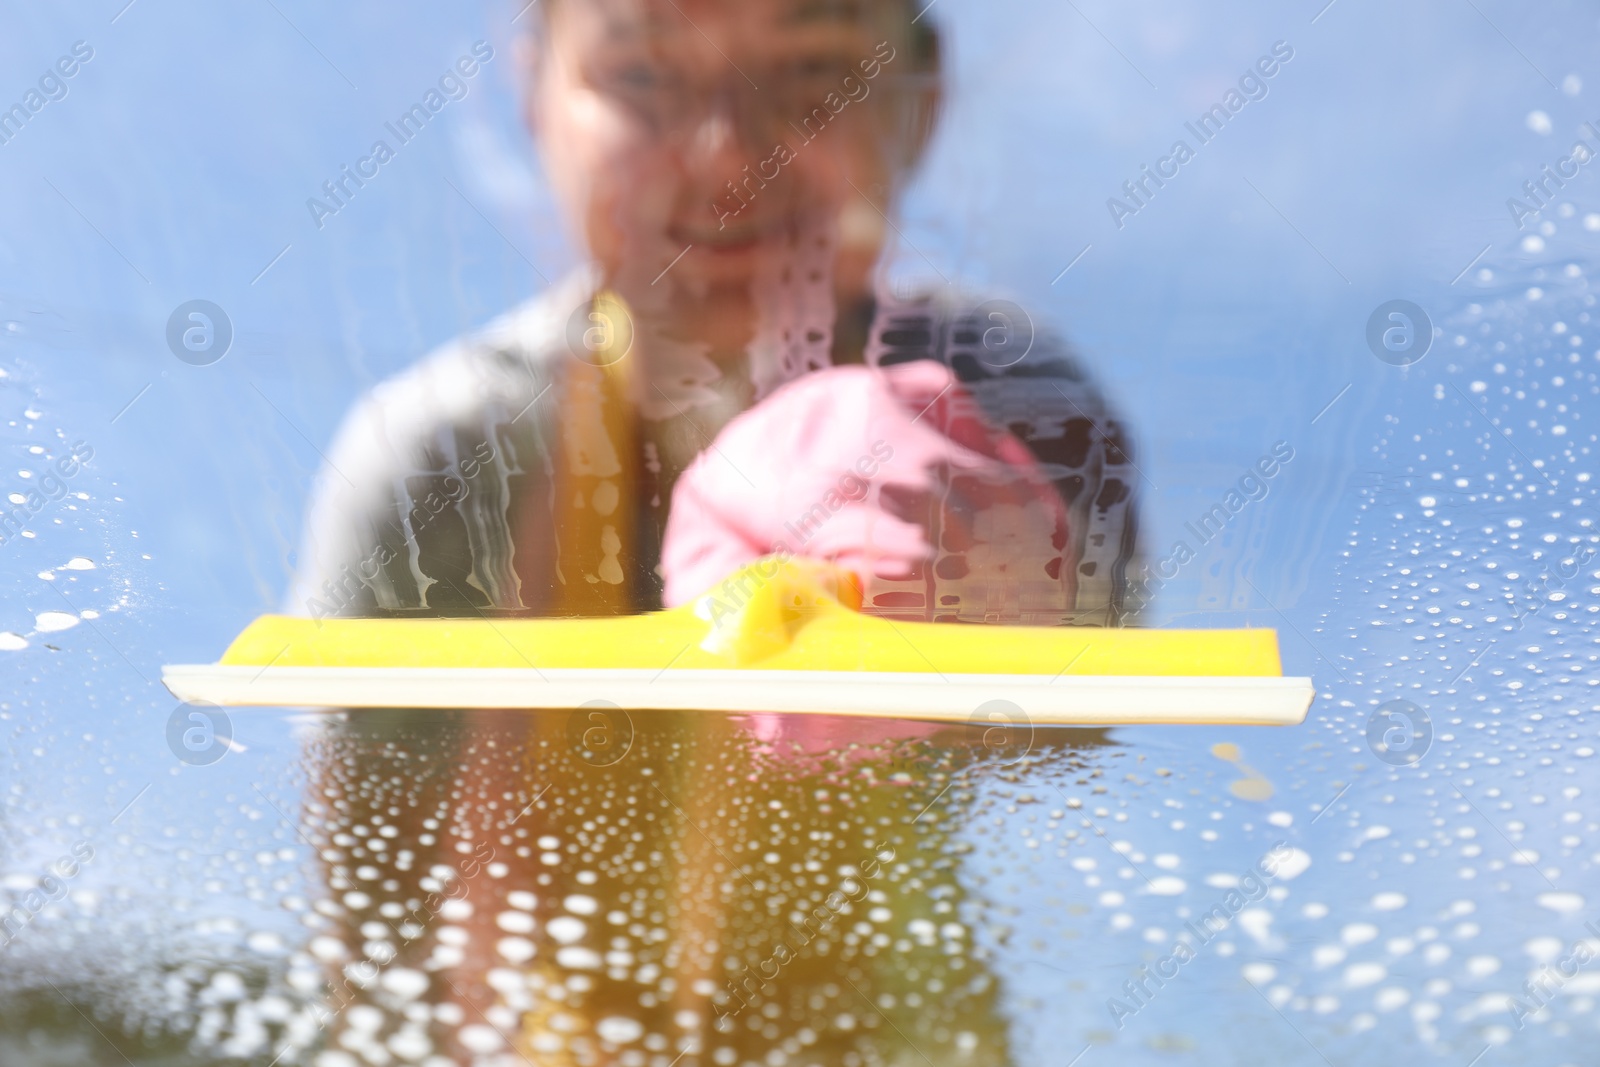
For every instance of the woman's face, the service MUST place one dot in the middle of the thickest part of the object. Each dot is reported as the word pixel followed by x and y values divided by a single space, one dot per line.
pixel 648 109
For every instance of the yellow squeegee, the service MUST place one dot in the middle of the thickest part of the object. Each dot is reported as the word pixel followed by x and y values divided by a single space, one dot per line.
pixel 779 636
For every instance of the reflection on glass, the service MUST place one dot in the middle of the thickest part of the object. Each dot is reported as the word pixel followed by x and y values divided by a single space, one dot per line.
pixel 728 891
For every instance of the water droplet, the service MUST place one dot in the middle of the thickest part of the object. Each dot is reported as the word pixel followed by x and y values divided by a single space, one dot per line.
pixel 49 622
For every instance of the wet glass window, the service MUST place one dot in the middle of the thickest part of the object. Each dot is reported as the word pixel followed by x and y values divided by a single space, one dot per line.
pixel 669 533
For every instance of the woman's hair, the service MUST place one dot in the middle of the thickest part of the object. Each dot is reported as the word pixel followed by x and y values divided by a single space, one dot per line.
pixel 922 34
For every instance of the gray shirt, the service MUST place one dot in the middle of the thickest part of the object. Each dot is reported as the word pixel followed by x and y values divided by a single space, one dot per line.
pixel 438 496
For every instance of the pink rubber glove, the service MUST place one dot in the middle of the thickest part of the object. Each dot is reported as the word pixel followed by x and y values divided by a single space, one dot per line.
pixel 891 472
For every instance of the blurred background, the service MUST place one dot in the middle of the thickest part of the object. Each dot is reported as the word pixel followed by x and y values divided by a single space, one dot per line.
pixel 1413 548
